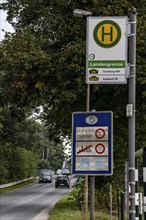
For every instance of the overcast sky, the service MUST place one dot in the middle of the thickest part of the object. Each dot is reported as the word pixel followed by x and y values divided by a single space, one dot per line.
pixel 4 24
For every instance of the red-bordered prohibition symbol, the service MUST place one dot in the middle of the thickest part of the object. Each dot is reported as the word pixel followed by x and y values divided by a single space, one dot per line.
pixel 99 133
pixel 100 148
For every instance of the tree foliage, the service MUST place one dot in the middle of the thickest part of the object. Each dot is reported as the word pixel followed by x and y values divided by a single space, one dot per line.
pixel 23 142
pixel 43 63
pixel 22 56
pixel 16 163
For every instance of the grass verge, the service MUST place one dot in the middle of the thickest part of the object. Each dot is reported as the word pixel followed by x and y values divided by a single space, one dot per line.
pixel 11 188
pixel 67 209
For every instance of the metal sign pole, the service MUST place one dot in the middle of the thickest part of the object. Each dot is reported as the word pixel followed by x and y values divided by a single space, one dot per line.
pixel 144 179
pixel 86 176
pixel 92 178
pixel 92 195
pixel 131 120
pixel 138 153
pixel 111 202
pixel 136 189
pixel 126 190
pixel 92 187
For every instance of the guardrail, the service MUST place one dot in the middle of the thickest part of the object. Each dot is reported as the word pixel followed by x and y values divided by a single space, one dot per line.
pixel 15 183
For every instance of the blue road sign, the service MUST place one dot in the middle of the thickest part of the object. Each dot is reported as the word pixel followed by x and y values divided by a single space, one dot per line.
pixel 92 143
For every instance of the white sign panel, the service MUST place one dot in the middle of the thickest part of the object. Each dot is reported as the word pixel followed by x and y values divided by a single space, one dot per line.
pixel 106 57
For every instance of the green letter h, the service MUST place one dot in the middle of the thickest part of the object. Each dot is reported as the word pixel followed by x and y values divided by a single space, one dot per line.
pixel 107 33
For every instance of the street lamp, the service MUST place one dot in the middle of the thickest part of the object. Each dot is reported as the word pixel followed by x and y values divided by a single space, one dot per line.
pixel 85 14
pixel 81 13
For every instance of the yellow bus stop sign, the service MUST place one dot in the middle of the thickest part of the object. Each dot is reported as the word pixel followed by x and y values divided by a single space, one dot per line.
pixel 107 33
pixel 107 50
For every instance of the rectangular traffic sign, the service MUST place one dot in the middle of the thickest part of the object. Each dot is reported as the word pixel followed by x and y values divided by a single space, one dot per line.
pixel 92 143
pixel 106 53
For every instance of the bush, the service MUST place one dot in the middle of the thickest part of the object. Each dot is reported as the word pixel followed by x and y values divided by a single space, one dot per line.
pixel 16 164
pixel 101 198
pixel 77 195
pixel 6 154
pixel 25 163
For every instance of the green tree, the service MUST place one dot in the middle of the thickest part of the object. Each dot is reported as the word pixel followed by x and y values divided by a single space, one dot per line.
pixel 16 163
pixel 24 66
pixel 48 32
pixel 53 156
pixel 52 30
pixel 20 145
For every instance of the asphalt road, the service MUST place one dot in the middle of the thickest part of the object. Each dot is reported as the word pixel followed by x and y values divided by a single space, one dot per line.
pixel 32 202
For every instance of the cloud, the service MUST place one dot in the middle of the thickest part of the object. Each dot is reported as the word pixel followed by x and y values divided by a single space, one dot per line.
pixel 4 25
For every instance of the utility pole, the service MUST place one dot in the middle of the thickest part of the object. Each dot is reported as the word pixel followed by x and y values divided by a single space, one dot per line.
pixel 86 176
pixel 131 119
pixel 84 14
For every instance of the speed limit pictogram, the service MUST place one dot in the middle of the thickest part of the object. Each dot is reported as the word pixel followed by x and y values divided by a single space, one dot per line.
pixel 99 133
pixel 100 148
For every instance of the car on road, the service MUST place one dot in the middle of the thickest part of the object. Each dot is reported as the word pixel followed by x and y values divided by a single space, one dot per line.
pixel 65 172
pixel 59 171
pixel 62 180
pixel 45 178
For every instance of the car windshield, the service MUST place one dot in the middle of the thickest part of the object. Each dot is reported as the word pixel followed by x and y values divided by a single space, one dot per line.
pixel 45 175
pixel 65 171
pixel 62 177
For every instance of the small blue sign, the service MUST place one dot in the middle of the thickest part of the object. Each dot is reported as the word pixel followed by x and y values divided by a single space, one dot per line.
pixel 92 143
